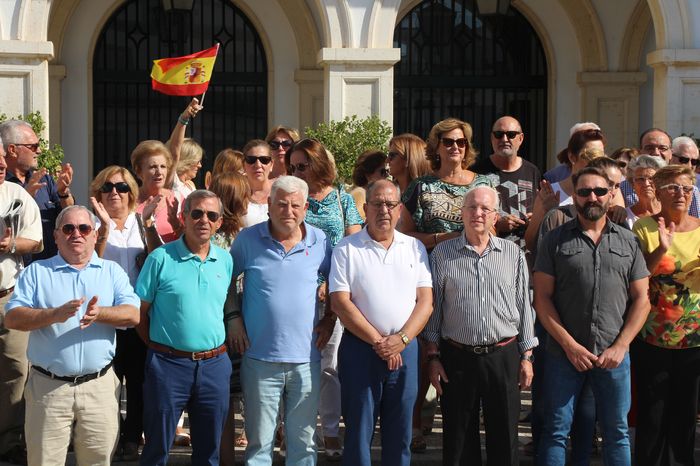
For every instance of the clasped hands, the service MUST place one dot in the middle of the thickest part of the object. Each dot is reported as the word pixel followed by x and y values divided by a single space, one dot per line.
pixel 389 349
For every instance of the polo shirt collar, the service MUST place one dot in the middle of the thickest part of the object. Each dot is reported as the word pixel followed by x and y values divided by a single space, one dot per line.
pixel 185 254
pixel 366 238
pixel 309 239
pixel 493 245
pixel 58 262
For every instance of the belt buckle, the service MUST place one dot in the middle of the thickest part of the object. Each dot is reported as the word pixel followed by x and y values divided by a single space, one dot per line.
pixel 77 379
pixel 195 357
pixel 481 349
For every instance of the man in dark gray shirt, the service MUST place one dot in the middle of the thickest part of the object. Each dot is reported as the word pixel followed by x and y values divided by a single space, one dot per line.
pixel 591 286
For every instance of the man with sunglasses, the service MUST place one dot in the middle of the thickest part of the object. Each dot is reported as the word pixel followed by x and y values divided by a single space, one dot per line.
pixel 381 289
pixel 52 195
pixel 591 285
pixel 70 305
pixel 518 179
pixel 26 239
pixel 183 287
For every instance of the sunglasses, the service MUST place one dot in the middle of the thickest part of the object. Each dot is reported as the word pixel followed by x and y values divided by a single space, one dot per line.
pixel 390 205
pixel 274 145
pixel 196 214
pixel 121 186
pixel 585 192
pixel 449 142
pixel 676 188
pixel 509 134
pixel 251 159
pixel 32 147
pixel 299 167
pixel 84 229
pixel 684 160
pixel 392 155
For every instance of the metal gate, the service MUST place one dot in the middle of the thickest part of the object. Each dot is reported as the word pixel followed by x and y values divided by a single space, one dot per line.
pixel 126 110
pixel 457 63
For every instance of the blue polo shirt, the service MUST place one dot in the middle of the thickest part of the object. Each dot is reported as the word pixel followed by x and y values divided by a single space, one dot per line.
pixel 187 295
pixel 279 292
pixel 64 348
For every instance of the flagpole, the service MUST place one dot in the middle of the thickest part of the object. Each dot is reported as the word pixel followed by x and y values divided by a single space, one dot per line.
pixel 201 101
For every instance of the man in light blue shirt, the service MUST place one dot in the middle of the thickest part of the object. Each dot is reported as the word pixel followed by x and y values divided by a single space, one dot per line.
pixel 183 287
pixel 281 261
pixel 71 304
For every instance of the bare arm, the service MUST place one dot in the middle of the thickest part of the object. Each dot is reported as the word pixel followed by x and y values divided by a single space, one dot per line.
pixel 121 315
pixel 545 201
pixel 392 344
pixel 429 240
pixel 27 318
pixel 144 324
pixel 352 318
pixel 178 136
pixel 352 229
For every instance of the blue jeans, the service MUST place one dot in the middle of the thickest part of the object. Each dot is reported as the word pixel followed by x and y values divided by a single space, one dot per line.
pixel 265 385
pixel 369 390
pixel 563 386
pixel 173 383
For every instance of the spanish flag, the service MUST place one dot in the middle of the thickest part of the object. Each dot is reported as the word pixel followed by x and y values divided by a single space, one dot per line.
pixel 188 75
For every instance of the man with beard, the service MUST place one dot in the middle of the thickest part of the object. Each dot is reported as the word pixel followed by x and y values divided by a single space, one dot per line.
pixel 591 287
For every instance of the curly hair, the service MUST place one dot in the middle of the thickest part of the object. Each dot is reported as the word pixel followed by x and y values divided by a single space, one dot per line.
pixel 446 126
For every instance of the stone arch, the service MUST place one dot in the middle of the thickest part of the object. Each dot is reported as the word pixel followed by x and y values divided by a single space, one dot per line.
pixel 589 32
pixel 633 39
pixel 671 27
pixel 378 35
pixel 335 24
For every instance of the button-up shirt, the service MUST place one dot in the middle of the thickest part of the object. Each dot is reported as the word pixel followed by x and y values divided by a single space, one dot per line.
pixel 480 299
pixel 63 348
pixel 592 281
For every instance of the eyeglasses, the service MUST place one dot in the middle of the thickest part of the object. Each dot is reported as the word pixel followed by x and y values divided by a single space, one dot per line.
pixel 685 160
pixel 121 186
pixel 390 205
pixel 196 214
pixel 510 134
pixel 676 188
pixel 84 229
pixel 484 210
pixel 274 145
pixel 642 179
pixel 32 147
pixel 392 155
pixel 650 148
pixel 585 192
pixel 449 142
pixel 299 167
pixel 251 159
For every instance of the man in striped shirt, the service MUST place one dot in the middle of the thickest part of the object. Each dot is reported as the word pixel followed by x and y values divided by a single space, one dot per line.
pixel 480 335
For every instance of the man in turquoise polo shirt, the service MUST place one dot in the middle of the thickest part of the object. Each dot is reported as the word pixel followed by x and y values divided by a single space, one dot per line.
pixel 279 332
pixel 183 288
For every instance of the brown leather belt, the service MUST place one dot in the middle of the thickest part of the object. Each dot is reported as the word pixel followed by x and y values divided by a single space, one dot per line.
pixel 4 293
pixel 195 356
pixel 483 349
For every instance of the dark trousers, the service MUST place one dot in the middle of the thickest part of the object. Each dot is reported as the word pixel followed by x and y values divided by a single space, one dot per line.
pixel 370 390
pixel 172 384
pixel 667 404
pixel 474 380
pixel 129 362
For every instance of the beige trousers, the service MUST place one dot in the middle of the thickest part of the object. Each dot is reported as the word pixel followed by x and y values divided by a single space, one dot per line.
pixel 57 409
pixel 13 375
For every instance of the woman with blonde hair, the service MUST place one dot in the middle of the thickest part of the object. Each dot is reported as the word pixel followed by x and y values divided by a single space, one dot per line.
pixel 280 139
pixel 227 161
pixel 186 153
pixel 407 159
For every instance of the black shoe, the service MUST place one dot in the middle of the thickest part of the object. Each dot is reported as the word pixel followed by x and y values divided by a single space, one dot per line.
pixel 15 455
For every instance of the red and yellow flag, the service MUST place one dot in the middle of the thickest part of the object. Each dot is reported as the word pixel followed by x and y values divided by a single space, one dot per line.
pixel 188 75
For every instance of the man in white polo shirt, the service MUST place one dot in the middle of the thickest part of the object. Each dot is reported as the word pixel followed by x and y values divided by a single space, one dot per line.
pixel 381 289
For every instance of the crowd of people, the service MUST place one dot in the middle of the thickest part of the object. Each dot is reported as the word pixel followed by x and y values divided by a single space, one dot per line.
pixel 279 294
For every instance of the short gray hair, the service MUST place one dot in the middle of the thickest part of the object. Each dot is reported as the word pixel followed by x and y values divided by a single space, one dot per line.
pixel 289 184
pixel 200 194
pixel 374 185
pixel 681 141
pixel 489 188
pixel 64 212
pixel 643 161
pixel 9 131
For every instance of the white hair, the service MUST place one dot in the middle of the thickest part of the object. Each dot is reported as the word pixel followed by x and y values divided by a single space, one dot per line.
pixel 289 184
pixel 9 130
pixel 496 196
pixel 583 126
pixel 681 141
pixel 64 212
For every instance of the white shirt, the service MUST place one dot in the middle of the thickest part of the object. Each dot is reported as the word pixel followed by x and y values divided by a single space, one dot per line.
pixel 124 245
pixel 564 199
pixel 29 228
pixel 382 282
pixel 183 189
pixel 257 213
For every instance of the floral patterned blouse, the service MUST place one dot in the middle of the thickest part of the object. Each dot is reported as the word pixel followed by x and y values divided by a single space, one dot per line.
pixel 436 205
pixel 674 288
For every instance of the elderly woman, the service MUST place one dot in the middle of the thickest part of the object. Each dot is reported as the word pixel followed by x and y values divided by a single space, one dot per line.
pixel 332 210
pixel 666 353
pixel 121 238
pixel 187 167
pixel 407 160
pixel 434 202
pixel 370 166
pixel 257 165
pixel 281 139
pixel 640 174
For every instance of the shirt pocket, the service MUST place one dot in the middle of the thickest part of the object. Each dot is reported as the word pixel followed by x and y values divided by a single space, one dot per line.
pixel 620 260
pixel 572 258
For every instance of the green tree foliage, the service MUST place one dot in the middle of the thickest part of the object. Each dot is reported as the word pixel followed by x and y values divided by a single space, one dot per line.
pixel 50 157
pixel 349 138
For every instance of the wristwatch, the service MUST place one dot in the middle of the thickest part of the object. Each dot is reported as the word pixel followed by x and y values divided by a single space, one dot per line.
pixel 404 338
pixel 527 357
